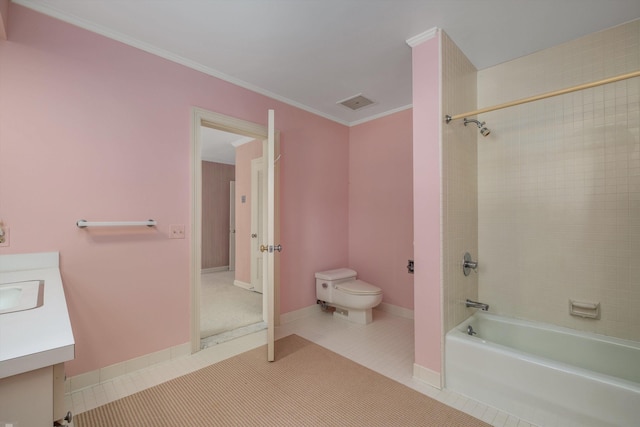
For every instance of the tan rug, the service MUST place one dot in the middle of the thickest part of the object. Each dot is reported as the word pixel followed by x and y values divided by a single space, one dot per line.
pixel 307 385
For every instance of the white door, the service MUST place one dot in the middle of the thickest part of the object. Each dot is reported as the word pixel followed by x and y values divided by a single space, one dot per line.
pixel 258 221
pixel 271 248
pixel 232 226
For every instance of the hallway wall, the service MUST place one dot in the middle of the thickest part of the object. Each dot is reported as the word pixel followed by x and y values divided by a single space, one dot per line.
pixel 244 155
pixel 215 213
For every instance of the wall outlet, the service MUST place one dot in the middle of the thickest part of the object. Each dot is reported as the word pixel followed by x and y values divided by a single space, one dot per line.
pixel 4 241
pixel 177 231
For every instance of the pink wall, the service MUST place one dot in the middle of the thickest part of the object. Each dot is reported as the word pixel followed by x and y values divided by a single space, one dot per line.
pixel 93 129
pixel 244 154
pixel 381 205
pixel 314 218
pixel 427 200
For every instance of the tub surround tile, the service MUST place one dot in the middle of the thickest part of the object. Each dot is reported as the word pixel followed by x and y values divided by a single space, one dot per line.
pixel 558 185
pixel 460 185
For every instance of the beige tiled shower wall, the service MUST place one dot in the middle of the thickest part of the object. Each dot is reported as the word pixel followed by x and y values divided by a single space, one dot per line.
pixel 559 185
pixel 459 191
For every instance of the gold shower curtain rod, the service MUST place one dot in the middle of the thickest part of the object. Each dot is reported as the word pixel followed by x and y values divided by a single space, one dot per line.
pixel 448 118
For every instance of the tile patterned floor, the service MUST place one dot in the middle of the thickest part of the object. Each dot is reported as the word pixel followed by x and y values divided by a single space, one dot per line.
pixel 386 346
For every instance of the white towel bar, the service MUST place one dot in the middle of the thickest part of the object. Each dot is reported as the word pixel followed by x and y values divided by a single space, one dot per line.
pixel 83 223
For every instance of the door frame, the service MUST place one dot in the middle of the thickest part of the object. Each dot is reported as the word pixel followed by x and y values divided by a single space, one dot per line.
pixel 258 222
pixel 232 225
pixel 201 117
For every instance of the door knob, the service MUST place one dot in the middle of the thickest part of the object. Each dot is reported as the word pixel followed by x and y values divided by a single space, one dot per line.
pixel 270 248
pixel 254 236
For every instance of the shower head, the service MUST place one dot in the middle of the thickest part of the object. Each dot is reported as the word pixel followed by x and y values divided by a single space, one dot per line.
pixel 481 125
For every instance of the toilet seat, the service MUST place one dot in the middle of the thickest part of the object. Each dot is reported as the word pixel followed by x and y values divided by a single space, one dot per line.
pixel 358 287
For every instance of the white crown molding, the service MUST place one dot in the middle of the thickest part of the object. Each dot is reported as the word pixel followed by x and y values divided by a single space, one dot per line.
pixel 242 141
pixel 114 35
pixel 216 160
pixel 377 116
pixel 423 37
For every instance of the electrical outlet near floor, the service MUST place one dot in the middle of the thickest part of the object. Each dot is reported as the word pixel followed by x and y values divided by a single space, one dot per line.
pixel 177 231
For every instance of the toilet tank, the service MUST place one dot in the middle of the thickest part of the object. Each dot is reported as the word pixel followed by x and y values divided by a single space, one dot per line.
pixel 326 279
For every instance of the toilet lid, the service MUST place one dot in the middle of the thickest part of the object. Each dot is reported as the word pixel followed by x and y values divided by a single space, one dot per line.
pixel 358 287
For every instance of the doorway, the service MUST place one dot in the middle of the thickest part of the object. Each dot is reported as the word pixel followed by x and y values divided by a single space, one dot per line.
pixel 230 303
pixel 243 134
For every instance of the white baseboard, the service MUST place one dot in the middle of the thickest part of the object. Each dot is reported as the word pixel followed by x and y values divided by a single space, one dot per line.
pixel 243 285
pixel 396 310
pixel 312 309
pixel 92 378
pixel 427 376
pixel 299 314
pixel 214 269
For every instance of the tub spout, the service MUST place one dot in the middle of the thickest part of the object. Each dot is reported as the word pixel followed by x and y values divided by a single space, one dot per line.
pixel 475 304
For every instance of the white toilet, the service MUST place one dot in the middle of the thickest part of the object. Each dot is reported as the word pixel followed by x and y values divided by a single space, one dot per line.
pixel 353 299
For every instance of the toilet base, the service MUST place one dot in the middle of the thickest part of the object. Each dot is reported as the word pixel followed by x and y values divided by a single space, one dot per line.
pixel 363 317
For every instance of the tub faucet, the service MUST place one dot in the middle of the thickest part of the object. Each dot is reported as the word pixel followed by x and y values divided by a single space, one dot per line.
pixel 475 304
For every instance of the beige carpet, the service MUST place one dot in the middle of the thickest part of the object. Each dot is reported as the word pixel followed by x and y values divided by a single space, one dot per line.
pixel 307 385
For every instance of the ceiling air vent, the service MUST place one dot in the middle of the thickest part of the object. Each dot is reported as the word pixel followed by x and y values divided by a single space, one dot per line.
pixel 356 102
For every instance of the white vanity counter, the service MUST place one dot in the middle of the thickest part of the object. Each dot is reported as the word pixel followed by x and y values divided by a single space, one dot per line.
pixel 42 336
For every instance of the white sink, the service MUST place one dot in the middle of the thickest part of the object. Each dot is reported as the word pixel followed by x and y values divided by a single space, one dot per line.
pixel 19 296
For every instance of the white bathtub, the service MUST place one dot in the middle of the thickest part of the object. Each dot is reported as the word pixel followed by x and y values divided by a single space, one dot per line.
pixel 544 374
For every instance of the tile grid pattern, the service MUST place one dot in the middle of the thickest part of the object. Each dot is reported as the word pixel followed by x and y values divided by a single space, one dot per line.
pixel 460 188
pixel 385 346
pixel 559 185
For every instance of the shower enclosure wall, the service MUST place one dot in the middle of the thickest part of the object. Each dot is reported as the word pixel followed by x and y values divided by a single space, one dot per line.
pixel 549 202
pixel 460 185
pixel 559 185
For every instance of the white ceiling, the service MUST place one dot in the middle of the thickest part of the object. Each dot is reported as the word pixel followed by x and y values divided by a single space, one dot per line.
pixel 314 53
pixel 219 146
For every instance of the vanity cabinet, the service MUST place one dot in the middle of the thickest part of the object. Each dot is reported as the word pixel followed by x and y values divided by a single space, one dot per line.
pixel 34 398
pixel 35 341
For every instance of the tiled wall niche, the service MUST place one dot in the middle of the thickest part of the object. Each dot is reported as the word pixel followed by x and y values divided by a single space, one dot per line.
pixel 459 184
pixel 559 185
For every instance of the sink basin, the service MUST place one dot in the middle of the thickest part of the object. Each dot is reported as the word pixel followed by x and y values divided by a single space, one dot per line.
pixel 19 296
